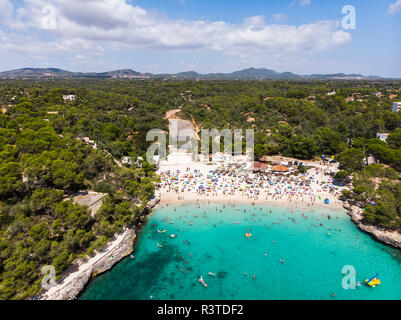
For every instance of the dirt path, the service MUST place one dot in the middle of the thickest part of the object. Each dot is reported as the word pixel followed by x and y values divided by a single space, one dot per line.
pixel 171 115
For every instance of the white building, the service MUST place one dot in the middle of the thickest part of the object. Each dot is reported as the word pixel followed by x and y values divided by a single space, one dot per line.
pixel 179 158
pixel 382 136
pixel 126 160
pixel 396 106
pixel 69 97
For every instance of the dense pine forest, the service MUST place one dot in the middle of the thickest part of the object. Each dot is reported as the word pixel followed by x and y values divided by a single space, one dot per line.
pixel 45 157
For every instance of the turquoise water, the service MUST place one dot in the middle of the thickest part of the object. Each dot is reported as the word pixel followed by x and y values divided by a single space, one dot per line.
pixel 313 258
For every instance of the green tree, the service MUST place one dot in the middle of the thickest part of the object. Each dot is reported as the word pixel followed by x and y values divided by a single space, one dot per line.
pixel 62 262
pixel 351 159
pixel 394 139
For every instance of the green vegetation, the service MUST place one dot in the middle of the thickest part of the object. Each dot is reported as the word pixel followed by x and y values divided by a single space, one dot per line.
pixel 43 163
pixel 46 155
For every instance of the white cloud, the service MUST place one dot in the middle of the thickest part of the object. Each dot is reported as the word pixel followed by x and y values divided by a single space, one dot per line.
pixel 6 10
pixel 306 3
pixel 395 7
pixel 85 25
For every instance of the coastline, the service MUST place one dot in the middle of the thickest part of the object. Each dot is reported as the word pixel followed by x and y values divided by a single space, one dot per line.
pixel 115 250
pixel 169 198
pixel 392 238
pixel 122 245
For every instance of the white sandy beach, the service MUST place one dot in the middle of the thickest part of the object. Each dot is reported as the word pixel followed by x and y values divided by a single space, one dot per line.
pixel 196 182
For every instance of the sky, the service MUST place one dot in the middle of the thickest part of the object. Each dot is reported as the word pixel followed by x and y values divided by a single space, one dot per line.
pixel 168 36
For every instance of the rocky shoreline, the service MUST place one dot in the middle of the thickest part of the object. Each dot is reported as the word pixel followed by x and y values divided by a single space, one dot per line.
pixel 116 250
pixel 392 238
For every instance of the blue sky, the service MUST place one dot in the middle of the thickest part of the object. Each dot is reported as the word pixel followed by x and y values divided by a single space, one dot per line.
pixel 301 36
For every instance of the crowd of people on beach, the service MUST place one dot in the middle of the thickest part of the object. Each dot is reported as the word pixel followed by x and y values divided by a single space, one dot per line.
pixel 313 187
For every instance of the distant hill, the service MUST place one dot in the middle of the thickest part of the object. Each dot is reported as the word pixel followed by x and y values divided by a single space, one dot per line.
pixel 37 73
pixel 247 74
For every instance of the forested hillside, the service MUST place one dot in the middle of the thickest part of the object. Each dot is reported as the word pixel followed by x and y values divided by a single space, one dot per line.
pixel 43 162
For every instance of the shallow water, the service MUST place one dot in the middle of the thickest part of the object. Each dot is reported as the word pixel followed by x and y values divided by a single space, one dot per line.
pixel 215 243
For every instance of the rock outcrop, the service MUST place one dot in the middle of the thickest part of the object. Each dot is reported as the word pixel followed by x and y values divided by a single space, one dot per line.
pixel 116 250
pixel 103 261
pixel 392 238
pixel 155 200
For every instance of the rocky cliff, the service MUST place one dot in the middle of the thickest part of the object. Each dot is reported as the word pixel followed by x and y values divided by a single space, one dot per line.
pixel 115 251
pixel 392 238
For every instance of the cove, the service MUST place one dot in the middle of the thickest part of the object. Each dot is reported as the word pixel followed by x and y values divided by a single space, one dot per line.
pixel 291 254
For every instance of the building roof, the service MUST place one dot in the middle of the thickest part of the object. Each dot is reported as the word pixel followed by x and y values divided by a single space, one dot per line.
pixel 259 166
pixel 280 168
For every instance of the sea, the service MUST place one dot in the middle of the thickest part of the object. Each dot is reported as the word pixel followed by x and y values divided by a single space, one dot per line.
pixel 251 252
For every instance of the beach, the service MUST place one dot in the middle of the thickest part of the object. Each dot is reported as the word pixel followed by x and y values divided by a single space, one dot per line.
pixel 190 183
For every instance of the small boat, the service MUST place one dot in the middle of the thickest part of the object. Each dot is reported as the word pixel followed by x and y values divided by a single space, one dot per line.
pixel 249 235
pixel 202 281
pixel 132 256
pixel 173 236
pixel 159 245
pixel 164 231
pixel 212 274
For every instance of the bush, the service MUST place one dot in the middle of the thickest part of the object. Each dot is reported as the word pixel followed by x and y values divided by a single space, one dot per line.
pixel 346 194
pixel 104 187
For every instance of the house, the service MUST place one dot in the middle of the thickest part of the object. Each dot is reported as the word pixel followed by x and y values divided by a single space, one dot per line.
pixel 382 136
pixel 332 93
pixel 88 141
pixel 126 160
pixel 369 160
pixel 3 110
pixel 69 97
pixel 350 99
pixel 52 112
pixel 396 106
pixel 217 157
